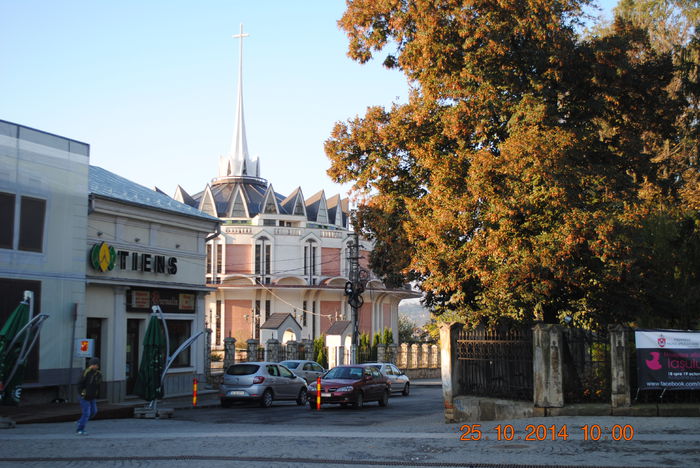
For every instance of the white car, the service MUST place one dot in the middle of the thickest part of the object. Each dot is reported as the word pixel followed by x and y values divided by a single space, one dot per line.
pixel 397 379
pixel 307 370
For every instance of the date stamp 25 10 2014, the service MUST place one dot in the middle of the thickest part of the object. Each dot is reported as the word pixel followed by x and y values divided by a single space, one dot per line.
pixel 542 432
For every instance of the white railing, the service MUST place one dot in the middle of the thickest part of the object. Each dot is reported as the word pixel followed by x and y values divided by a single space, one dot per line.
pixel 238 230
pixel 286 231
pixel 332 234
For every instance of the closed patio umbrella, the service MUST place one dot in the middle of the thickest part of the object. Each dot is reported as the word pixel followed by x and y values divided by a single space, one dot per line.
pixel 12 372
pixel 148 383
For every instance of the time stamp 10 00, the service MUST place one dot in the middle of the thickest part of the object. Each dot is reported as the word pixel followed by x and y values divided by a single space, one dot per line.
pixel 541 432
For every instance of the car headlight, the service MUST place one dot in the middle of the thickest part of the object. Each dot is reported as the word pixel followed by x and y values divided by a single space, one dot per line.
pixel 345 389
pixel 311 388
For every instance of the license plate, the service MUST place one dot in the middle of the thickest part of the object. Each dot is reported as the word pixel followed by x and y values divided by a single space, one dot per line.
pixel 326 395
pixel 237 393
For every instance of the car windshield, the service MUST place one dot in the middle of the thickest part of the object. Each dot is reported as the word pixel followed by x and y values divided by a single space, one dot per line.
pixel 243 369
pixel 350 373
pixel 290 364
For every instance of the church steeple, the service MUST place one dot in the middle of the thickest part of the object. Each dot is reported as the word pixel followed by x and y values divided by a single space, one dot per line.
pixel 238 163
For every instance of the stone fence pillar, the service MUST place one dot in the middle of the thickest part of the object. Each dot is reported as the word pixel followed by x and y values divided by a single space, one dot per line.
pixel 392 352
pixel 308 349
pixel 229 352
pixel 291 350
pixel 425 356
pixel 341 355
pixel 547 342
pixel 252 349
pixel 414 356
pixel 381 352
pixel 451 371
pixel 619 366
pixel 435 362
pixel 403 356
pixel 273 350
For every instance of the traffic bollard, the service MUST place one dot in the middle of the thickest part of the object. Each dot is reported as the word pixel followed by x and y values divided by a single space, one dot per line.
pixel 318 393
pixel 194 391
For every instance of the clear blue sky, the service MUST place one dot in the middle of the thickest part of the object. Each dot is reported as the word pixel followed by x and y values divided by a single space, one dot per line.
pixel 150 85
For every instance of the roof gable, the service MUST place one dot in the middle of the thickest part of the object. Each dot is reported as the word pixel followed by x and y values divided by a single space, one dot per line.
pixel 269 204
pixel 208 204
pixel 238 204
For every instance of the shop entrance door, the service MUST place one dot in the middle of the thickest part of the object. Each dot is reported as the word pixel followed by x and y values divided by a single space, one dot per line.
pixel 132 353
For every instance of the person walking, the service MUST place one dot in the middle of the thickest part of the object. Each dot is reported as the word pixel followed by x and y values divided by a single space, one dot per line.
pixel 89 389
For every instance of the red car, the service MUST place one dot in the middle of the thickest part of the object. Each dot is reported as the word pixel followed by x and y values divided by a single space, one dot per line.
pixel 354 385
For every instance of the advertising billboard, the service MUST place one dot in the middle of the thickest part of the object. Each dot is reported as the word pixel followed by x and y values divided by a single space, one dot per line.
pixel 668 359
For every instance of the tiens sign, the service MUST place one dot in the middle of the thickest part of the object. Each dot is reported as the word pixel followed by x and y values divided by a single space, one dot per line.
pixel 103 258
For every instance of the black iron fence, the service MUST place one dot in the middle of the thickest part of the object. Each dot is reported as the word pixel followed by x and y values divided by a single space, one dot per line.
pixel 586 365
pixel 496 362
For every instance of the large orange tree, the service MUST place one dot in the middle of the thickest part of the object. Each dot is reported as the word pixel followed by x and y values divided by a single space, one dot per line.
pixel 527 177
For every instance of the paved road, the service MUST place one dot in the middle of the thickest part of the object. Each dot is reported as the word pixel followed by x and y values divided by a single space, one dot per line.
pixel 410 432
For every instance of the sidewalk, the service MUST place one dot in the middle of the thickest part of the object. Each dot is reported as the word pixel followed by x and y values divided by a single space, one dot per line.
pixel 66 412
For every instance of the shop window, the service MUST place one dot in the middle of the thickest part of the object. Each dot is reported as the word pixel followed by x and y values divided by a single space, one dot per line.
pixel 31 224
pixel 179 331
pixel 7 220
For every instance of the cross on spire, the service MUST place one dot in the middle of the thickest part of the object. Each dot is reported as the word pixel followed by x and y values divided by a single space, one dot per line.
pixel 238 162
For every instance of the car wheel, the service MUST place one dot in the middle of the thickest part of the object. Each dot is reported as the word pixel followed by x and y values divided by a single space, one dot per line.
pixel 225 403
pixel 312 405
pixel 359 401
pixel 266 400
pixel 384 400
pixel 406 389
pixel 301 399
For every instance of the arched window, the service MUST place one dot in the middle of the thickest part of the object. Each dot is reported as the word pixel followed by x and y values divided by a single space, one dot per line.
pixel 310 250
pixel 263 256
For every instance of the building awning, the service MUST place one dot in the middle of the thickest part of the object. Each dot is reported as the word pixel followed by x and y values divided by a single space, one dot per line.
pixel 146 284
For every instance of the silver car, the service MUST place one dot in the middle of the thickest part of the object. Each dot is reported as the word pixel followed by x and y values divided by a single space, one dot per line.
pixel 398 380
pixel 263 381
pixel 307 370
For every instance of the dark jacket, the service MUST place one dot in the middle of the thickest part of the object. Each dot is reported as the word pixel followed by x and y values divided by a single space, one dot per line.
pixel 89 385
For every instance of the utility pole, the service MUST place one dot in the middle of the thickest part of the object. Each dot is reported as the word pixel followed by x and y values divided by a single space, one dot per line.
pixel 354 289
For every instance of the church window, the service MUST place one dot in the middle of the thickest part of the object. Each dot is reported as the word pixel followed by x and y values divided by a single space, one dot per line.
pixel 298 207
pixel 209 259
pixel 270 206
pixel 238 209
pixel 263 252
pixel 310 250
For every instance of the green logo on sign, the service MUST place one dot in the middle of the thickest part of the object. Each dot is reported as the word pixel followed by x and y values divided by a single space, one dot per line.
pixel 102 257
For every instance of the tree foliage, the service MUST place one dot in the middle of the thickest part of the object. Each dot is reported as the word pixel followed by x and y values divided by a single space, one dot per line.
pixel 532 174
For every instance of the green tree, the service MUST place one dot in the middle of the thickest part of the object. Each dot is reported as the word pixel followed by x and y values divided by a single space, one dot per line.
pixel 407 329
pixel 320 351
pixel 522 177
pixel 388 337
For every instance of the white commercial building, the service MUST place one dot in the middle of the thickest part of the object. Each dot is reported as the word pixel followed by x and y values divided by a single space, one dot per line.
pixel 145 249
pixel 98 251
pixel 43 226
